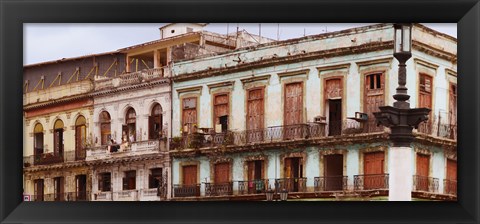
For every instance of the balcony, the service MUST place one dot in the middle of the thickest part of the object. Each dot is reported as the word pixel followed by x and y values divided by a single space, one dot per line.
pixel 252 186
pixel 425 184
pixel 370 182
pixel 450 187
pixel 209 138
pixel 135 148
pixel 330 183
pixel 295 184
pixel 103 196
pixel 218 189
pixel 67 196
pixel 126 195
pixel 131 78
pixel 47 158
pixel 438 128
pixel 182 190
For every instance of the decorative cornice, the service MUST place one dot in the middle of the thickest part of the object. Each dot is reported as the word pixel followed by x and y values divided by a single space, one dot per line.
pixel 387 60
pixel 255 78
pixel 294 73
pixel 190 89
pixel 221 84
pixel 425 63
pixel 334 67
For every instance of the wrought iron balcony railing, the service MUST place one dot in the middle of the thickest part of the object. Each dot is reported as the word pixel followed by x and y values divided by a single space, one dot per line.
pixel 370 182
pixel 427 184
pixel 450 187
pixel 252 186
pixel 66 196
pixel 294 184
pixel 330 183
pixel 181 190
pixel 218 189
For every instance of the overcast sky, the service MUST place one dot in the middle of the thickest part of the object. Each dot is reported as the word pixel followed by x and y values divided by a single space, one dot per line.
pixel 47 41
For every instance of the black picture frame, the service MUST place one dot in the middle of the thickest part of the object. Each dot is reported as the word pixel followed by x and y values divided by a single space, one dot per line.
pixel 14 13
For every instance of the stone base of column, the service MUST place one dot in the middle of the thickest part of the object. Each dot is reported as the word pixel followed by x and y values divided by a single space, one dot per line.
pixel 400 166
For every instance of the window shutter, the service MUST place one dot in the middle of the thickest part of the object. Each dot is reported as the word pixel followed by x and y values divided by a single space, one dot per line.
pixel 125 133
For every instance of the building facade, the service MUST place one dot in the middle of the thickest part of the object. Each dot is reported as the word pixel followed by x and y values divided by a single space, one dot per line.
pixel 298 115
pixel 117 108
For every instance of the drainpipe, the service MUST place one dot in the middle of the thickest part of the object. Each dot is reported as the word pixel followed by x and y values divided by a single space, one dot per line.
pixel 171 130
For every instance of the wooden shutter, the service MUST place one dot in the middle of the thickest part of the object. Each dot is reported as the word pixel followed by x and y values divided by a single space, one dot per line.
pixel 373 162
pixel 222 172
pixel 105 130
pixel 453 104
pixel 425 93
pixel 423 165
pixel 374 94
pixel 220 105
pixel 288 168
pixel 189 116
pixel 255 114
pixel 451 169
pixel 78 138
pixel 293 103
pixel 190 175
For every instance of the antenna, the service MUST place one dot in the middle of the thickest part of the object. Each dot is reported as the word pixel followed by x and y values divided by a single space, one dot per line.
pixel 259 33
pixel 227 30
pixel 304 31
pixel 278 31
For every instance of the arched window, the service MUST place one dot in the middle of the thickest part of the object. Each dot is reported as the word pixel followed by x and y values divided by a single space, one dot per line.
pixel 38 139
pixel 105 127
pixel 80 137
pixel 58 137
pixel 155 122
pixel 128 131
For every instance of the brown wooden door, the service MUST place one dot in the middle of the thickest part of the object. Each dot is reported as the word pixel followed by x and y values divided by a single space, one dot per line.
pixel 292 173
pixel 373 170
pixel 222 173
pixel 189 117
pixel 58 188
pixel 38 185
pixel 451 169
pixel 333 172
pixel 293 110
pixel 190 175
pixel 81 187
pixel 293 103
pixel 374 98
pixel 423 170
pixel 80 139
pixel 255 115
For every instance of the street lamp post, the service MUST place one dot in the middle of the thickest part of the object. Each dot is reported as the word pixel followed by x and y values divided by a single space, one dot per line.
pixel 401 119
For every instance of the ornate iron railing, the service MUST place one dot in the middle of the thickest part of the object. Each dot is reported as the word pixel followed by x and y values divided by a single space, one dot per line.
pixel 450 187
pixel 294 184
pixel 252 186
pixel 218 189
pixel 370 182
pixel 48 158
pixel 422 183
pixel 330 183
pixel 437 128
pixel 180 190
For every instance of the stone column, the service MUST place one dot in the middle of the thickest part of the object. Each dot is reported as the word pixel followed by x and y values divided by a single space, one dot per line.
pixel 400 160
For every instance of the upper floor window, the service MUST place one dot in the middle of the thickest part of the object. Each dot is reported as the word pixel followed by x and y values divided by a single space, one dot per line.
pixel 220 111
pixel 155 122
pixel 38 139
pixel 105 128
pixel 425 83
pixel 189 114
pixel 129 130
pixel 129 180
pixel 374 81
pixel 155 178
pixel 104 181
pixel 58 137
